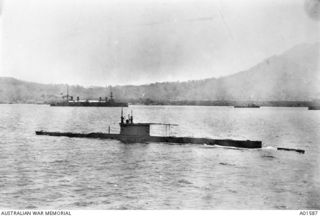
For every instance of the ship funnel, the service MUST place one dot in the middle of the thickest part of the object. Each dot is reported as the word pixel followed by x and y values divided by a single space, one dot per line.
pixel 121 118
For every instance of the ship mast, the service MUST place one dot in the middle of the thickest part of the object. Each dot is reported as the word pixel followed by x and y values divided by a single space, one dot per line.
pixel 111 95
pixel 106 96
pixel 66 96
pixel 67 93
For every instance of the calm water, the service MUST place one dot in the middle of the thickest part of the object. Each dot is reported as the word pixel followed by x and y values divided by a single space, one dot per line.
pixel 71 173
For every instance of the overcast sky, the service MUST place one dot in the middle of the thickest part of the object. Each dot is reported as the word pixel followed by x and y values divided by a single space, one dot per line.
pixel 100 42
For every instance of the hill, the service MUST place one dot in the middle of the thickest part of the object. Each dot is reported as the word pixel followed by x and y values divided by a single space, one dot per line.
pixel 292 76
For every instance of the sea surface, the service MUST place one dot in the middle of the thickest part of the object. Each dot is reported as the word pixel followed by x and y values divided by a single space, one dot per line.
pixel 42 172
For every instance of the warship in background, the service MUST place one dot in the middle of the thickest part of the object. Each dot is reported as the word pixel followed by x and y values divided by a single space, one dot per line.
pixel 106 102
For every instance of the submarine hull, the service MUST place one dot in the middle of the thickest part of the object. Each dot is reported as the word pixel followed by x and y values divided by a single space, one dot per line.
pixel 146 139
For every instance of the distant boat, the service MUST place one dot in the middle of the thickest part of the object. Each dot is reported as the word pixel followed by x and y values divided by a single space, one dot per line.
pixel 107 102
pixel 247 106
pixel 314 107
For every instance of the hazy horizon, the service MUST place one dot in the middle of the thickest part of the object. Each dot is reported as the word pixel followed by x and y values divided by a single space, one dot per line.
pixel 99 43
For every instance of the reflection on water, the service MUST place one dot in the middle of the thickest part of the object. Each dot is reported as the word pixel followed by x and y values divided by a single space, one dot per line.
pixel 71 173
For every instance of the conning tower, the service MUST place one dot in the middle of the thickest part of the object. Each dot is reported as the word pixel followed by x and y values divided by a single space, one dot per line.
pixel 128 128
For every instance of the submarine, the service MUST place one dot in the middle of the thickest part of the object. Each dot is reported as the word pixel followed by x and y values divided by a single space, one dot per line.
pixel 131 132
